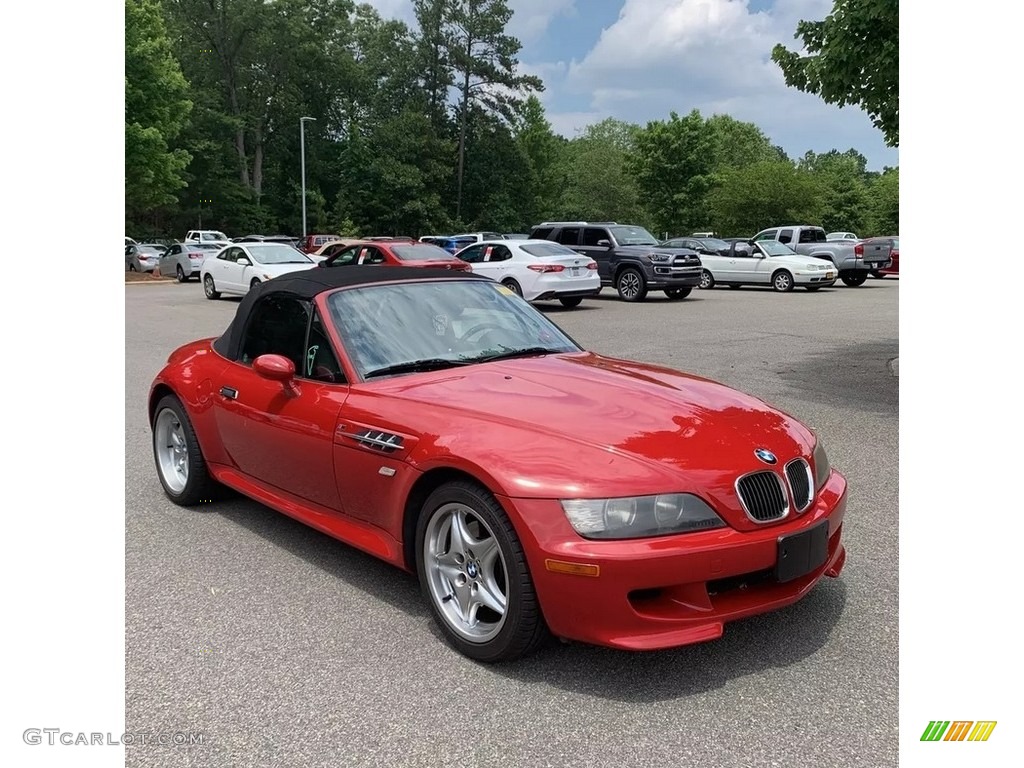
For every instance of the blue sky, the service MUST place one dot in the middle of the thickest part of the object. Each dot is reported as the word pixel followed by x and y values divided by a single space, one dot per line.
pixel 639 60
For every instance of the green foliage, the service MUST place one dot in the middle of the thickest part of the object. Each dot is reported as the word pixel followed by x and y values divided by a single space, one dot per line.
pixel 425 130
pixel 674 164
pixel 884 207
pixel 595 176
pixel 764 194
pixel 156 109
pixel 844 180
pixel 852 57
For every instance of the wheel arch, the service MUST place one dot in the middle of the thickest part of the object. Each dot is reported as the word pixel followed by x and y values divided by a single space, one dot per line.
pixel 426 484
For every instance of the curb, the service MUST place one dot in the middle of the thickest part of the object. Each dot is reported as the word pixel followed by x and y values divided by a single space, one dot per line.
pixel 158 281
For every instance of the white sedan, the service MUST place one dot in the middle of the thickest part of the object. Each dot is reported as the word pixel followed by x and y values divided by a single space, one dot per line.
pixel 237 268
pixel 536 269
pixel 766 262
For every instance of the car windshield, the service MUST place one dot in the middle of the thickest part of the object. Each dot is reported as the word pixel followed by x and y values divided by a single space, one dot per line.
pixel 546 250
pixel 429 325
pixel 421 252
pixel 714 243
pixel 633 236
pixel 775 248
pixel 275 253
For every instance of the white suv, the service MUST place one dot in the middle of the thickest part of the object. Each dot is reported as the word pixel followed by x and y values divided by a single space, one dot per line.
pixel 206 236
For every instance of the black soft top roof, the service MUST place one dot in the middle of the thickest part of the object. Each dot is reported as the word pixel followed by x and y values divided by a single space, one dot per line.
pixel 307 284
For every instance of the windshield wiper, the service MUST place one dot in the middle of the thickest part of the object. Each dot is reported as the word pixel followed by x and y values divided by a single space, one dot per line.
pixel 428 364
pixel 508 354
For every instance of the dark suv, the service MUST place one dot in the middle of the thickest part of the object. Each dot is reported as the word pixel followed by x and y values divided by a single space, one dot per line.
pixel 628 258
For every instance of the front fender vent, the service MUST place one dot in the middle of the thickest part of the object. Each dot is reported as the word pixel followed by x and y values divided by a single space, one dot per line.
pixel 385 442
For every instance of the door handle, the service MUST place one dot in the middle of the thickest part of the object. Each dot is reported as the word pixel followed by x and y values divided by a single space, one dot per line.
pixel 229 392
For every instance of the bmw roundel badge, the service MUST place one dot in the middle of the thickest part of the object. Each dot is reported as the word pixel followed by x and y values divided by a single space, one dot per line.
pixel 765 455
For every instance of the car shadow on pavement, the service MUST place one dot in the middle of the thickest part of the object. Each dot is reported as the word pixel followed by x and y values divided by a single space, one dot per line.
pixel 353 566
pixel 748 647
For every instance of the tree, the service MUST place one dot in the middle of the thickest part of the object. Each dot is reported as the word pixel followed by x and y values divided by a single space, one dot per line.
pixel 852 57
pixel 675 167
pixel 884 208
pixel 843 178
pixel 156 109
pixel 772 192
pixel 484 57
pixel 595 176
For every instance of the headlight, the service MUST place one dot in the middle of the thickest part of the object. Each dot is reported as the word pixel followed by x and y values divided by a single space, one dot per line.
pixel 821 466
pixel 659 257
pixel 634 517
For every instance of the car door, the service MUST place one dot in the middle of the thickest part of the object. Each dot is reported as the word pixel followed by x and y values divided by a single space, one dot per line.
pixel 496 261
pixel 760 267
pixel 283 434
pixel 741 264
pixel 596 243
pixel 234 272
pixel 169 260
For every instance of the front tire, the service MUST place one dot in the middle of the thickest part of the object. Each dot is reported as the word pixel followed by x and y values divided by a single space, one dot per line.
pixel 707 280
pixel 254 284
pixel 571 302
pixel 179 460
pixel 209 289
pixel 782 281
pixel 474 575
pixel 631 285
pixel 678 293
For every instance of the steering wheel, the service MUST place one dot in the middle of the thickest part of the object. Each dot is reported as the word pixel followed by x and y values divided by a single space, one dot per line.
pixel 481 328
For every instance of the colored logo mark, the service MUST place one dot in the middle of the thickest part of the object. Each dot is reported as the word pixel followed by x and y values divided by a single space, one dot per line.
pixel 958 730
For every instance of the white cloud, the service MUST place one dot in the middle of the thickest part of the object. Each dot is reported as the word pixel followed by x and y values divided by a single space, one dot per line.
pixel 715 56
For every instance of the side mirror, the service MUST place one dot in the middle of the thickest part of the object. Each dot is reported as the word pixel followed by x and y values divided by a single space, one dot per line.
pixel 244 262
pixel 277 368
pixel 604 243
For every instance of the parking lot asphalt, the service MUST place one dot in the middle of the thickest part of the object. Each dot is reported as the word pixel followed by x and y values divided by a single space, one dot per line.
pixel 284 647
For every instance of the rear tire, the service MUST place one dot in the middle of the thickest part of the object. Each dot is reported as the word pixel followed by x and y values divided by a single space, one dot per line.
pixel 631 285
pixel 813 288
pixel 182 277
pixel 131 268
pixel 513 286
pixel 571 302
pixel 179 459
pixel 209 289
pixel 877 275
pixel 678 293
pixel 854 279
pixel 474 575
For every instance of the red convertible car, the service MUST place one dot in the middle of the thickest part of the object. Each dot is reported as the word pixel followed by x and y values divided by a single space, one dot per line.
pixel 438 421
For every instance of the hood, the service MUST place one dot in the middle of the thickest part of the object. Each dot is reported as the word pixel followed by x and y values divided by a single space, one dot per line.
pixel 699 434
pixel 281 269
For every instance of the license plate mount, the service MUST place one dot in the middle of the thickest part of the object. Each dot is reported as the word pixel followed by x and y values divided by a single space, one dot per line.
pixel 801 553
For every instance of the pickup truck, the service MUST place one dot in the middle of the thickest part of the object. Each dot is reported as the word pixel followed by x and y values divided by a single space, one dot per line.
pixel 854 261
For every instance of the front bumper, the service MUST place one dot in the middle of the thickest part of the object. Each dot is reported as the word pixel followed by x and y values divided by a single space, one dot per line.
pixel 668 591
pixel 667 276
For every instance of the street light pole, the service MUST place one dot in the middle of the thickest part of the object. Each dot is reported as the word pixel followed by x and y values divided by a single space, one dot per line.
pixel 302 149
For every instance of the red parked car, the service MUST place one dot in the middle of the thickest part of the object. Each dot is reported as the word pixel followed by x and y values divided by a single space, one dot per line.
pixel 894 265
pixel 392 252
pixel 439 422
pixel 313 243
